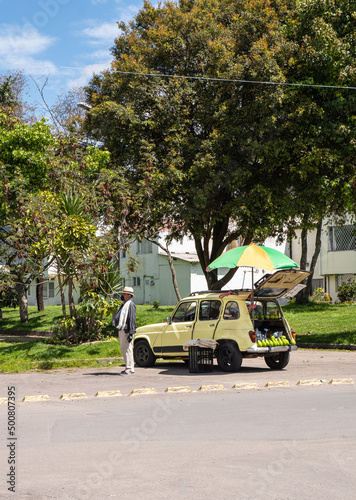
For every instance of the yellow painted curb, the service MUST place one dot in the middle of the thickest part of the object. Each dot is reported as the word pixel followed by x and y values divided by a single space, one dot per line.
pixel 245 386
pixel 137 392
pixel 212 388
pixel 310 382
pixel 3 400
pixel 73 395
pixel 183 388
pixel 342 381
pixel 104 394
pixel 278 384
pixel 42 397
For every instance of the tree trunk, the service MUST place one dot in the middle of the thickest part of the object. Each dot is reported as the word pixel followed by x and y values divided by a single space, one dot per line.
pixel 70 297
pixel 0 314
pixel 308 289
pixel 303 295
pixel 39 294
pixel 174 275
pixel 21 291
pixel 171 266
pixel 217 285
pixel 63 300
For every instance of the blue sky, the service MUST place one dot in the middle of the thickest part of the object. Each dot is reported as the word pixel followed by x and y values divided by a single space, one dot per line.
pixel 64 40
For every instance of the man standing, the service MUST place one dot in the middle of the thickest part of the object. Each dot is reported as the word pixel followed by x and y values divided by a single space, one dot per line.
pixel 125 321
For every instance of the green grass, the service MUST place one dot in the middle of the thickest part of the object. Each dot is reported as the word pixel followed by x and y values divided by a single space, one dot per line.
pixel 36 320
pixel 20 357
pixel 37 355
pixel 43 321
pixel 323 323
pixel 314 323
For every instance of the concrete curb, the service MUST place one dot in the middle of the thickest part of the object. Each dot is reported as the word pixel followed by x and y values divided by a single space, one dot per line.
pixel 179 389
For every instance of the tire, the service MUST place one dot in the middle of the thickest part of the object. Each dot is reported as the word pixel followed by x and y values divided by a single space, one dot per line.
pixel 229 357
pixel 143 354
pixel 279 361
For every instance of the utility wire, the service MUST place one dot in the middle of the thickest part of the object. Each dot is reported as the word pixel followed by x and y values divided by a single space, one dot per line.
pixel 231 80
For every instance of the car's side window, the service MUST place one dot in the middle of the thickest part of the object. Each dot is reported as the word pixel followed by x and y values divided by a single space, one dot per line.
pixel 185 312
pixel 232 310
pixel 209 310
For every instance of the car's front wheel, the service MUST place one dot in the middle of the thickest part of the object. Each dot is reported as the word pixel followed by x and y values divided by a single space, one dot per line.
pixel 279 361
pixel 143 354
pixel 229 357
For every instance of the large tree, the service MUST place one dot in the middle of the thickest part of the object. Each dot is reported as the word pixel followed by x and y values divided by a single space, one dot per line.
pixel 205 151
pixel 24 166
pixel 316 125
pixel 190 148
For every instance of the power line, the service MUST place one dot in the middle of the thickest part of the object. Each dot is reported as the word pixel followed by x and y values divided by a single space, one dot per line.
pixel 231 80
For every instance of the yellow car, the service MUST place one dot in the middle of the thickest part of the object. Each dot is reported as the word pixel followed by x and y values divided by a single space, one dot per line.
pixel 244 323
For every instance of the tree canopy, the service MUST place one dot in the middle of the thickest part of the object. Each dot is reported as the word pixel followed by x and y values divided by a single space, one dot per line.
pixel 52 204
pixel 204 145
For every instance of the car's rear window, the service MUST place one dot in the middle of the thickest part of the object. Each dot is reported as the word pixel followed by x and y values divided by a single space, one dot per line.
pixel 232 310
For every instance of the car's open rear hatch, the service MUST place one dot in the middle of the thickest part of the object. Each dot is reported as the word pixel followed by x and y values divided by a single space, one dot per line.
pixel 284 283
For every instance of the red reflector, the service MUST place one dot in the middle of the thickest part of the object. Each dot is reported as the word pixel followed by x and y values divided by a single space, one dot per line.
pixel 252 336
pixel 293 333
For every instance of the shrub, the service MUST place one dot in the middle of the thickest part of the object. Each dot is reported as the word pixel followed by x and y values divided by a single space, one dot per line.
pixel 347 290
pixel 155 304
pixel 88 324
pixel 319 295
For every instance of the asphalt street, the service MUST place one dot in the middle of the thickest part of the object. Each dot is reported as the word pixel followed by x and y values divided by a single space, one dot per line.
pixel 254 434
pixel 290 444
pixel 304 365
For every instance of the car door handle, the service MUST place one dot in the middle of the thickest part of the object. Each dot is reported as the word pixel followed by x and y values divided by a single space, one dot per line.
pixel 212 324
pixel 188 326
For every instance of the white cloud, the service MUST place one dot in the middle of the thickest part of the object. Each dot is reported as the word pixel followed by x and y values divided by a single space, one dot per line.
pixel 19 48
pixel 101 33
pixel 87 72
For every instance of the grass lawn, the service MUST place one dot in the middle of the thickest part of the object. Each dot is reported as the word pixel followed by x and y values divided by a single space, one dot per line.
pixel 43 321
pixel 36 355
pixel 314 323
pixel 19 357
pixel 323 323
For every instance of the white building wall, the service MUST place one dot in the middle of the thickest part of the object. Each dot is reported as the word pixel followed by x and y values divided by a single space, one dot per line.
pixel 48 300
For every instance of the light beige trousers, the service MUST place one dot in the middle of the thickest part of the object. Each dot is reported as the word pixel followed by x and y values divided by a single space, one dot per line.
pixel 127 351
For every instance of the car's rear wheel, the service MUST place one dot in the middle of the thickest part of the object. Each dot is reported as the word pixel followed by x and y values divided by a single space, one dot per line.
pixel 229 357
pixel 279 361
pixel 143 354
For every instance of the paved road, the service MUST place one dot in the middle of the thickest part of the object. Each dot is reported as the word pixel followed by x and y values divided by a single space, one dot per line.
pixel 312 364
pixel 296 443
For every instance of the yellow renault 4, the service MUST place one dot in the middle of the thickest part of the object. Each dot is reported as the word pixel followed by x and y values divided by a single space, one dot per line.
pixel 244 324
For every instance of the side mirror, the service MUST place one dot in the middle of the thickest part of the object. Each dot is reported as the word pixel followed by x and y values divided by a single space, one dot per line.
pixel 169 320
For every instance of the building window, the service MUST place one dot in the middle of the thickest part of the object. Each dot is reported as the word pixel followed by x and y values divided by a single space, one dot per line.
pixel 317 283
pixel 342 238
pixel 51 289
pixel 45 290
pixel 136 281
pixel 144 246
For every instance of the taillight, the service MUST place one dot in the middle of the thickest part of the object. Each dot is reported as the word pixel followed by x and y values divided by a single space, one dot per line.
pixel 293 334
pixel 252 336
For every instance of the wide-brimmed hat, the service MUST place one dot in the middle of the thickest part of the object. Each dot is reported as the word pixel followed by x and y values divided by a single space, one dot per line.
pixel 128 289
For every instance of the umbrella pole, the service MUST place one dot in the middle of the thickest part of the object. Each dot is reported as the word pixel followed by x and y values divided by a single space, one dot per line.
pixel 252 304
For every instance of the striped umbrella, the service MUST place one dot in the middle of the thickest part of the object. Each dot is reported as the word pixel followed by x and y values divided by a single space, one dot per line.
pixel 253 256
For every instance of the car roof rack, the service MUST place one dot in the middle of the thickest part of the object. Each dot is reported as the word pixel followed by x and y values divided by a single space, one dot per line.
pixel 235 291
